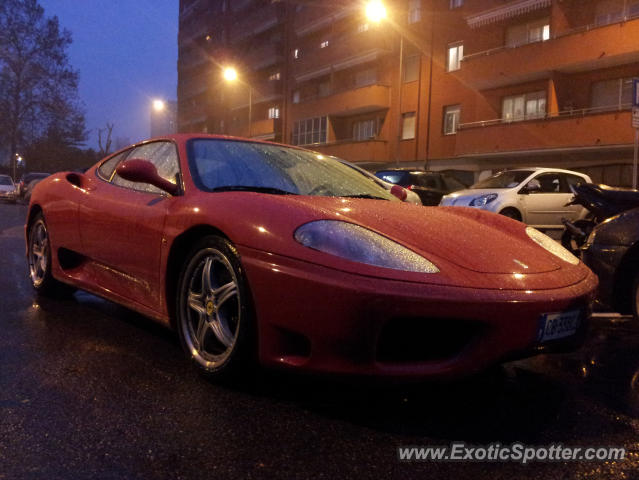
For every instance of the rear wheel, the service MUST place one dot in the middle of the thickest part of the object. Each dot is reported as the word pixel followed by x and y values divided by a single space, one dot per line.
pixel 39 259
pixel 215 322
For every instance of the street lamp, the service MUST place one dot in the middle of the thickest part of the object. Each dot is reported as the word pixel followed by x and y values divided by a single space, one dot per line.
pixel 159 105
pixel 376 12
pixel 231 76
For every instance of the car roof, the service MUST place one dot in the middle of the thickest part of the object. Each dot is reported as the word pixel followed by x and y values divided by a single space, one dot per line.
pixel 545 169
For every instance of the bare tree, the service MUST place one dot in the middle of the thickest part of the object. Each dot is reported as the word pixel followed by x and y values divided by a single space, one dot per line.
pixel 106 134
pixel 38 88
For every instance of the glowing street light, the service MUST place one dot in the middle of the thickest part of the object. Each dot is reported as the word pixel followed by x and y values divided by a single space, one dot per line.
pixel 375 11
pixel 229 74
pixel 159 105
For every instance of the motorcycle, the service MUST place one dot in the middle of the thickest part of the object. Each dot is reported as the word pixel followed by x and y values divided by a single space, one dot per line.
pixel 602 202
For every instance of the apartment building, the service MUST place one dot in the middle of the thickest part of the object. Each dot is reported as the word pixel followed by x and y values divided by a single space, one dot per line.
pixel 474 85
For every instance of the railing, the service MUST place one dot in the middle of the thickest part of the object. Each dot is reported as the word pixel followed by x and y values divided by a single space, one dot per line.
pixel 337 91
pixel 565 33
pixel 573 112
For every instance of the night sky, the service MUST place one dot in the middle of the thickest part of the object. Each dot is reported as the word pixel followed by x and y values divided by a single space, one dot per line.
pixel 126 53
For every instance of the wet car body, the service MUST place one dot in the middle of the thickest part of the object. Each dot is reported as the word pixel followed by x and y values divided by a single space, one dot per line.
pixel 487 299
pixel 612 252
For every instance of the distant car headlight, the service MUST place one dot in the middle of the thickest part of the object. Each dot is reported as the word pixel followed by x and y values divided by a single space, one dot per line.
pixel 359 244
pixel 551 245
pixel 483 200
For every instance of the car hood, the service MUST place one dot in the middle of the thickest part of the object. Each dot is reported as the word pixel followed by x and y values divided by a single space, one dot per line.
pixel 462 198
pixel 474 240
pixel 471 247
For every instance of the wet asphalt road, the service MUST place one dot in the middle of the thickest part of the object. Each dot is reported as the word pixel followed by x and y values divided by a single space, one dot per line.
pixel 91 390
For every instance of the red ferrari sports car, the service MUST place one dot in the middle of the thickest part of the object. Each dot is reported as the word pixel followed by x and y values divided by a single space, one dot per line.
pixel 263 253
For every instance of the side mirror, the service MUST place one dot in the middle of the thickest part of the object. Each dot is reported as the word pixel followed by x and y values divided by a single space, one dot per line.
pixel 531 187
pixel 399 192
pixel 143 171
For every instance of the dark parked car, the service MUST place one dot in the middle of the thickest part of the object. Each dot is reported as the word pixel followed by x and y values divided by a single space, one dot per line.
pixel 430 186
pixel 612 252
pixel 26 179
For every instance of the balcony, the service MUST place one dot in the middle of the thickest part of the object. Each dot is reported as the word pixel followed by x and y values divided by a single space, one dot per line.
pixel 262 92
pixel 342 52
pixel 581 129
pixel 266 129
pixel 356 151
pixel 584 49
pixel 256 21
pixel 265 56
pixel 345 103
pixel 312 19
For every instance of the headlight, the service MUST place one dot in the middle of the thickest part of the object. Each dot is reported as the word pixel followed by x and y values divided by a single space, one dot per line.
pixel 551 245
pixel 483 200
pixel 359 244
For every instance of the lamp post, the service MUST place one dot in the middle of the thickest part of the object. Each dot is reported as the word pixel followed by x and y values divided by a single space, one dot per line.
pixel 230 76
pixel 375 11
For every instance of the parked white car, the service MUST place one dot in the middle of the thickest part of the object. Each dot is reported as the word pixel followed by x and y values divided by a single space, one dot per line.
pixel 7 188
pixel 535 196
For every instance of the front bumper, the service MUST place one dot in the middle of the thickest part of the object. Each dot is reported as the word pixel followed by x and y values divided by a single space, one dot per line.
pixel 322 320
pixel 9 196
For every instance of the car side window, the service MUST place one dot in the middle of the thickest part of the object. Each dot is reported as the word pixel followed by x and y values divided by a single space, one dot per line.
pixel 161 154
pixel 105 171
pixel 573 180
pixel 550 183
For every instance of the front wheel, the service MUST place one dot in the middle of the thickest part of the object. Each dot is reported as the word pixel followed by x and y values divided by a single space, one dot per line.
pixel 215 321
pixel 511 213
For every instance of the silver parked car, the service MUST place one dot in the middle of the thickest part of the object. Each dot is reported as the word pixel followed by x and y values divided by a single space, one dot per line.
pixel 535 196
pixel 7 189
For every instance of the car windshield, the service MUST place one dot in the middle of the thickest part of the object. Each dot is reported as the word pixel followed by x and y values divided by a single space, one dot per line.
pixel 507 179
pixel 5 180
pixel 228 165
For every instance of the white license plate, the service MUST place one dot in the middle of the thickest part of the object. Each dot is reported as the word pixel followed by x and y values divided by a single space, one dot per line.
pixel 558 325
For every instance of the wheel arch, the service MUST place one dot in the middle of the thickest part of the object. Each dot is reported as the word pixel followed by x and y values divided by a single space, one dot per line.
pixel 513 208
pixel 180 248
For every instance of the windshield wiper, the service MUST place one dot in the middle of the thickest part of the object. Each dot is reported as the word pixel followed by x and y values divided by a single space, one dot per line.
pixel 252 188
pixel 364 195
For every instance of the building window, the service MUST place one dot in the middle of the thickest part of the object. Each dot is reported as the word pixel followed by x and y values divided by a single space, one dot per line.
pixel 365 129
pixel 274 112
pixel 408 126
pixel 296 96
pixel 455 3
pixel 451 119
pixel 324 89
pixel 362 27
pixel 455 55
pixel 414 11
pixel 274 76
pixel 310 131
pixel 411 68
pixel 612 94
pixel 537 31
pixel 366 77
pixel 523 107
pixel 296 53
pixel 324 44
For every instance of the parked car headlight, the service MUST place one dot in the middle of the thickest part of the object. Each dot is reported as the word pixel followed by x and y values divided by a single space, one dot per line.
pixel 359 244
pixel 483 200
pixel 551 245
